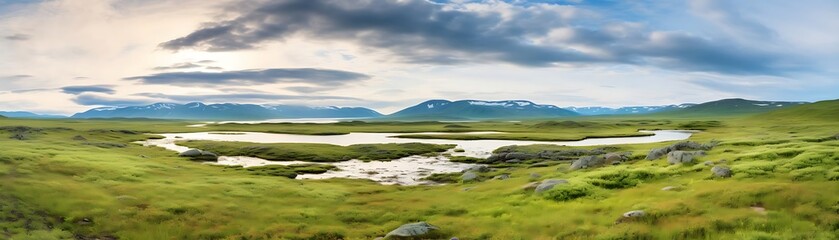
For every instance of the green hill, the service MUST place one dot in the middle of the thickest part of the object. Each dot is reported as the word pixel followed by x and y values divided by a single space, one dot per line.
pixel 730 107
pixel 818 111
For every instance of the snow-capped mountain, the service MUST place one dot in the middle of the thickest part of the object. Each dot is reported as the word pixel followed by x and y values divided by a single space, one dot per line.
pixel 225 111
pixel 627 110
pixel 478 109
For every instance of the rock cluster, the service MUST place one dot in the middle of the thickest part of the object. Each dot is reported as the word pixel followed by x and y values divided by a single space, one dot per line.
pixel 599 160
pixel 507 155
pixel 676 157
pixel 657 153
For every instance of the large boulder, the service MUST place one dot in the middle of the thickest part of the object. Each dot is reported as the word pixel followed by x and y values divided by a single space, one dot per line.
pixel 587 162
pixel 469 176
pixel 676 157
pixel 721 171
pixel 549 184
pixel 411 230
pixel 198 155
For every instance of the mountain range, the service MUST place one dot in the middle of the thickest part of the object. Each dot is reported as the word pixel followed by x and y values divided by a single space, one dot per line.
pixel 478 109
pixel 428 110
pixel 21 114
pixel 226 111
pixel 627 110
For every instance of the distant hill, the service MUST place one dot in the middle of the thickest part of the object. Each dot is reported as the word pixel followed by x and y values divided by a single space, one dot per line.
pixel 591 111
pixel 21 114
pixel 728 107
pixel 478 109
pixel 225 111
pixel 822 111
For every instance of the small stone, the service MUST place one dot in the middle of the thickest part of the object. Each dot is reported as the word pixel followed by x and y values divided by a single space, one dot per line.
pixel 671 188
pixel 721 171
pixel 634 213
pixel 709 163
pixel 535 176
pixel 502 177
pixel 412 230
pixel 549 184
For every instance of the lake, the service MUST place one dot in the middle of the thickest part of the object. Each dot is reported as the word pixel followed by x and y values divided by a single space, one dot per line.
pixel 405 171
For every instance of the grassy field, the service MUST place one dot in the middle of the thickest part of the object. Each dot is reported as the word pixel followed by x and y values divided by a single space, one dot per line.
pixel 62 179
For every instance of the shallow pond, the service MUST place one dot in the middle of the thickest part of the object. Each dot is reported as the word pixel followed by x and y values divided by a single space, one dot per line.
pixel 405 171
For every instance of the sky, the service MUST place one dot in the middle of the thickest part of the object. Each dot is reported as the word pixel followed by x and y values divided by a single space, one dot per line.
pixel 66 56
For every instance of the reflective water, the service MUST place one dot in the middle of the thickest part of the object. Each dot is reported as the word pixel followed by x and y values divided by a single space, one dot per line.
pixel 406 171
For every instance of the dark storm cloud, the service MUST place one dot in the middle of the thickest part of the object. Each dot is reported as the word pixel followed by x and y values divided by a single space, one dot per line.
pixel 255 76
pixel 89 99
pixel 17 37
pixel 75 90
pixel 240 97
pixel 424 32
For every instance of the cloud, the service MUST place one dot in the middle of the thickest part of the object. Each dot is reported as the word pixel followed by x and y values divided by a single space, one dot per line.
pixel 255 76
pixel 96 99
pixel 531 34
pixel 177 66
pixel 76 90
pixel 15 77
pixel 240 97
pixel 727 17
pixel 17 37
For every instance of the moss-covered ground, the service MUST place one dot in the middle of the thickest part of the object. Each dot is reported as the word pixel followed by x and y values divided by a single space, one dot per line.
pixel 81 179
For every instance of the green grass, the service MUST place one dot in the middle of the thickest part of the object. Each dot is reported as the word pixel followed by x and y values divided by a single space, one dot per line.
pixel 53 187
pixel 317 152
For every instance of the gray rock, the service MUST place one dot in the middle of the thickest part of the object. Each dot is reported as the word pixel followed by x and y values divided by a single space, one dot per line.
pixel 519 155
pixel 709 163
pixel 587 162
pixel 469 176
pixel 548 184
pixel 721 171
pixel 502 177
pixel 657 153
pixel 480 168
pixel 634 214
pixel 191 153
pixel 676 157
pixel 513 161
pixel 535 176
pixel 412 230
pixel 615 157
pixel 540 164
pixel 199 155
pixel 530 186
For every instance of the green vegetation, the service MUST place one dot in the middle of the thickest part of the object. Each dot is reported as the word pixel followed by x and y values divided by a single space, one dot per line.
pixel 66 179
pixel 317 152
pixel 289 171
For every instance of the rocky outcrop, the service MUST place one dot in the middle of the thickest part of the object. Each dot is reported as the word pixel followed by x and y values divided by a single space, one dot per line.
pixel 657 153
pixel 508 154
pixel 412 230
pixel 683 157
pixel 599 160
pixel 721 171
